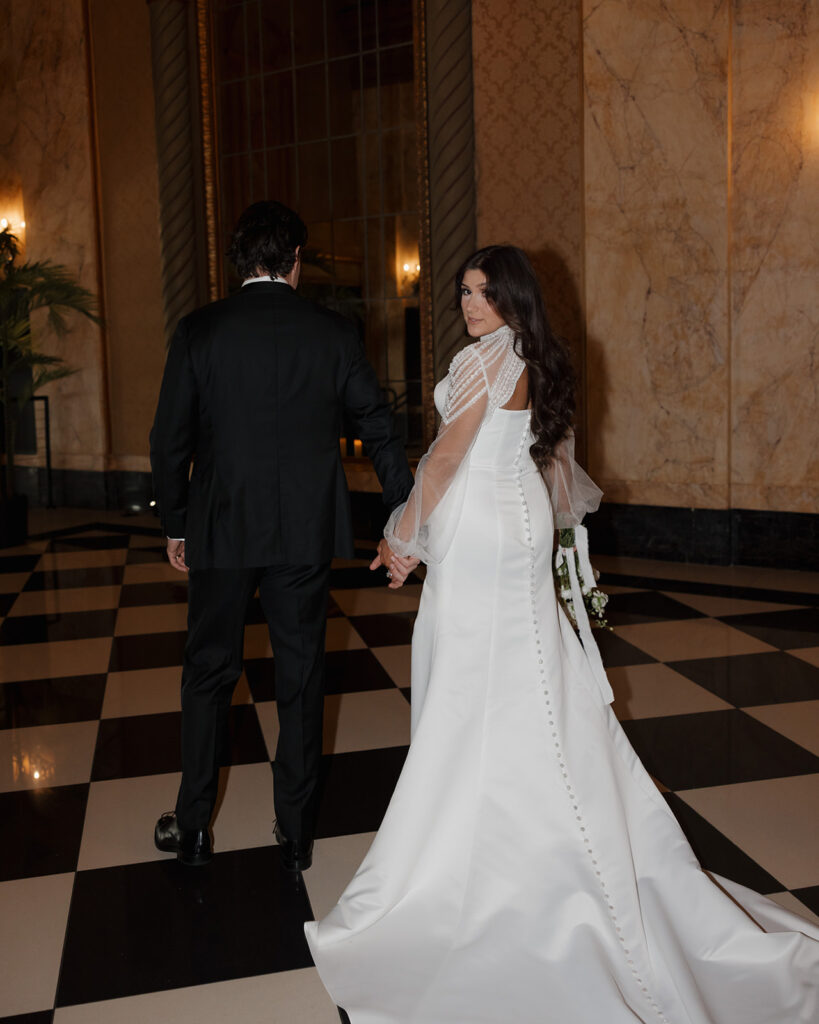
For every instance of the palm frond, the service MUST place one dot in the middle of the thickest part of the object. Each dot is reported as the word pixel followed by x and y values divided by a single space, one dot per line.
pixel 45 285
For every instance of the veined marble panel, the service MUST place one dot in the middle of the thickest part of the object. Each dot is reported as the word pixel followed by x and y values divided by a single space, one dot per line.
pixel 528 140
pixel 656 249
pixel 51 144
pixel 775 256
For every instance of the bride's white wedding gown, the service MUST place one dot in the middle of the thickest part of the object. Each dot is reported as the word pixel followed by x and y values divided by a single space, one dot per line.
pixel 527 870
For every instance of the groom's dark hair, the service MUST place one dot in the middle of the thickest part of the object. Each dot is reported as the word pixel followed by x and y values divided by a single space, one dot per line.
pixel 265 240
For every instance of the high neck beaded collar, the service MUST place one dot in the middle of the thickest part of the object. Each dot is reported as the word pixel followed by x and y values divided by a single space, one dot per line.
pixel 503 333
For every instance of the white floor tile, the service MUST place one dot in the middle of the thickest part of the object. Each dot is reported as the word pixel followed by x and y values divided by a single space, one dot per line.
pixel 335 861
pixel 289 997
pixel 47 755
pixel 772 820
pixel 33 916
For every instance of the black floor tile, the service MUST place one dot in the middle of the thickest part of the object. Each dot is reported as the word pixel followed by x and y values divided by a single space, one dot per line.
pixel 711 589
pixel 42 831
pixel 715 748
pixel 156 926
pixel 615 651
pixel 646 606
pixel 138 595
pixel 6 602
pixel 51 701
pixel 809 896
pixel 796 627
pixel 18 563
pixel 385 630
pixel 355 577
pixel 717 853
pixel 345 672
pixel 356 788
pixel 146 556
pixel 150 744
pixel 147 650
pixel 354 671
pixel 44 1017
pixel 91 542
pixel 771 677
pixel 261 678
pixel 70 579
pixel 34 629
pixel 255 615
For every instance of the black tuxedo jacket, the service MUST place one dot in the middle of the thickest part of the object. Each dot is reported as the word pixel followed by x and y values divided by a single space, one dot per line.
pixel 253 393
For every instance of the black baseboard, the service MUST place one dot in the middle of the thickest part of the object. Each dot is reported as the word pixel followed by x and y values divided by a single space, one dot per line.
pixel 787 540
pixel 75 488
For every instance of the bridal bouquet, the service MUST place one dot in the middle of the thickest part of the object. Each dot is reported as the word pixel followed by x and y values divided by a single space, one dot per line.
pixel 585 581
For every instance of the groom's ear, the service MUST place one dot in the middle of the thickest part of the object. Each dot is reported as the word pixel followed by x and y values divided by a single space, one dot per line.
pixel 293 277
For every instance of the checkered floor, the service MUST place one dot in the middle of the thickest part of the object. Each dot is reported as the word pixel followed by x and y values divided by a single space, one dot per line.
pixel 716 673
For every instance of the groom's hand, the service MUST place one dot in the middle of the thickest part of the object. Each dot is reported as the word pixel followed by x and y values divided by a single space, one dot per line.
pixel 398 568
pixel 176 554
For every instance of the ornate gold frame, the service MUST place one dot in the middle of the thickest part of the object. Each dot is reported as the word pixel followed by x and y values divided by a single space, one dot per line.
pixel 210 159
pixel 210 166
pixel 424 249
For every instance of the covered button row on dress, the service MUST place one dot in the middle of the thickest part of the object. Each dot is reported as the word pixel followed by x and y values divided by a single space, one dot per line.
pixel 559 753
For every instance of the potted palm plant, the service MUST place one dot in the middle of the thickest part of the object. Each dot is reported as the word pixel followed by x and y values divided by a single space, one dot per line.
pixel 25 288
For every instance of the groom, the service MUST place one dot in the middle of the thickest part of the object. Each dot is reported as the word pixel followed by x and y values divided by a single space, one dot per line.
pixel 254 393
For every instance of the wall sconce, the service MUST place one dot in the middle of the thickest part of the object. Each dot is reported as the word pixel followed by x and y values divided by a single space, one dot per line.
pixel 410 276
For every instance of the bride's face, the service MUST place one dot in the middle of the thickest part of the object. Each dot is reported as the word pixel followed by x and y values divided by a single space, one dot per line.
pixel 480 316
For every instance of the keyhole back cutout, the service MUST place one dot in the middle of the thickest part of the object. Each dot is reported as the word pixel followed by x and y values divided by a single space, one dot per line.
pixel 520 396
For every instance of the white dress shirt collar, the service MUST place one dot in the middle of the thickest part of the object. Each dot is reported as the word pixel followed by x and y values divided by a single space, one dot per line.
pixel 265 277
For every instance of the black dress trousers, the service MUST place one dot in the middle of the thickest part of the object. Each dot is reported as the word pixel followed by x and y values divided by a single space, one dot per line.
pixel 294 601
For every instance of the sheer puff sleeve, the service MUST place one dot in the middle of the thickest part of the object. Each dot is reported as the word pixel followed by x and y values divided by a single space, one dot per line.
pixel 482 378
pixel 573 493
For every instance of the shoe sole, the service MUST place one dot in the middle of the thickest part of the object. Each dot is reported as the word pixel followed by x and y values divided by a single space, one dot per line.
pixel 190 860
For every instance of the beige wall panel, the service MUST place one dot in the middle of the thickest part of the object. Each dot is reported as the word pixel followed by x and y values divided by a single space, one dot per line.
pixel 775 256
pixel 130 222
pixel 51 146
pixel 11 187
pixel 655 174
pixel 528 141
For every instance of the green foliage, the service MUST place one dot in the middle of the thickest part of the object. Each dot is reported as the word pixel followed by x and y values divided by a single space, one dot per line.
pixel 24 289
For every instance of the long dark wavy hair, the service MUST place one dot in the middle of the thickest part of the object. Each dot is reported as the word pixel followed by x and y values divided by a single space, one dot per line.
pixel 513 291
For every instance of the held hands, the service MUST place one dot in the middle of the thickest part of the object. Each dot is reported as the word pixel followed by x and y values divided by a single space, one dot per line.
pixel 397 568
pixel 176 554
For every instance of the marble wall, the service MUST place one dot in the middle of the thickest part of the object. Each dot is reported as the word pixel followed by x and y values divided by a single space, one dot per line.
pixel 78 163
pixel 129 219
pixel 47 155
pixel 681 194
pixel 655 195
pixel 529 144
pixel 774 223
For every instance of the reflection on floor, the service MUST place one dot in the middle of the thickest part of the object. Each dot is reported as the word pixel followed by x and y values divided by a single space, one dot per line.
pixel 716 673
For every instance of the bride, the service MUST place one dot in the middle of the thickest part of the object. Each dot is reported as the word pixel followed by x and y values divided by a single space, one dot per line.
pixel 527 870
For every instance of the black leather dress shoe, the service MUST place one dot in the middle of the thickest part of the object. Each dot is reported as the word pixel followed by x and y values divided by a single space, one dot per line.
pixel 191 846
pixel 296 856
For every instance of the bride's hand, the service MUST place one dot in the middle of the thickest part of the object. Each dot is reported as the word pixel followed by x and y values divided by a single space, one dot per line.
pixel 398 568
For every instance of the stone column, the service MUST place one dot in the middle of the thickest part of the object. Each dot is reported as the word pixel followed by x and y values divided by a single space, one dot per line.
pixel 173 43
pixel 450 142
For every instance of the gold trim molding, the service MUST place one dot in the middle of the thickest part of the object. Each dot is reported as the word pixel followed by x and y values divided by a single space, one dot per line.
pixel 210 158
pixel 424 247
